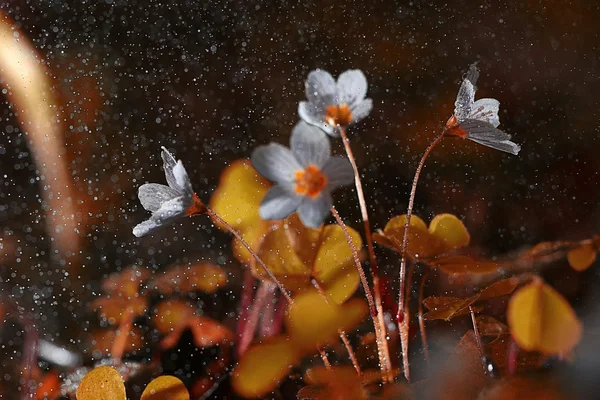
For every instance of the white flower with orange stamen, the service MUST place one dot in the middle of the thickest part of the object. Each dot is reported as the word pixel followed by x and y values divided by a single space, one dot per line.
pixel 304 176
pixel 478 120
pixel 331 105
pixel 168 203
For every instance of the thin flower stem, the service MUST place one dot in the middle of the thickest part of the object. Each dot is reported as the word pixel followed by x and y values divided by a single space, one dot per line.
pixel 239 237
pixel 342 334
pixel 384 354
pixel 421 319
pixel 478 340
pixel 401 290
pixel 324 358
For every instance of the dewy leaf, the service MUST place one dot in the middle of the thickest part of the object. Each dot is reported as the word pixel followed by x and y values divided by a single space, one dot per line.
pixel 446 232
pixel 165 387
pixel 236 200
pixel 450 307
pixel 263 366
pixel 582 257
pixel 450 231
pixel 540 319
pixel 297 254
pixel 312 321
pixel 463 265
pixel 203 276
pixel 102 383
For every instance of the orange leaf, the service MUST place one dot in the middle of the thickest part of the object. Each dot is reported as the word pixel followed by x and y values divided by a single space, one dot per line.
pixel 49 388
pixel 540 319
pixel 489 326
pixel 236 200
pixel 582 257
pixel 263 366
pixel 102 383
pixel 312 321
pixel 463 265
pixel 127 282
pixel 102 341
pixel 113 308
pixel 450 307
pixel 203 276
pixel 165 387
pixel 171 314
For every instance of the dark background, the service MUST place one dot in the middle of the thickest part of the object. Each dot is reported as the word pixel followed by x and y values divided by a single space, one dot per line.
pixel 211 80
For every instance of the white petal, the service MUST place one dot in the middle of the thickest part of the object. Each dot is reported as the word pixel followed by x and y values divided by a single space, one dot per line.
pixel 339 172
pixel 184 186
pixel 466 94
pixel 275 162
pixel 169 163
pixel 310 114
pixel 310 145
pixel 484 133
pixel 486 110
pixel 361 110
pixel 152 195
pixel 320 87
pixel 279 203
pixel 312 212
pixel 351 87
pixel 166 214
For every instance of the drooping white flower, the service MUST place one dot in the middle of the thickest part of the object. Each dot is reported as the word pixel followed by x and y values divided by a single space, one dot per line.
pixel 478 120
pixel 304 176
pixel 167 203
pixel 333 104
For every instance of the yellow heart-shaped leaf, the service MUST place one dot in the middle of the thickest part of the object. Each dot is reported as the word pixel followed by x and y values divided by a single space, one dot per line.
pixel 582 257
pixel 237 200
pixel 165 387
pixel 312 321
pixel 102 383
pixel 540 319
pixel 263 366
pixel 450 231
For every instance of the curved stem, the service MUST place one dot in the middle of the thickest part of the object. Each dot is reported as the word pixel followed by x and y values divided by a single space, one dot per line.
pixel 379 335
pixel 411 202
pixel 384 356
pixel 239 237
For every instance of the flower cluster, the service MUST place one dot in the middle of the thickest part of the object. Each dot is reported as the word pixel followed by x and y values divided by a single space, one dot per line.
pixel 306 174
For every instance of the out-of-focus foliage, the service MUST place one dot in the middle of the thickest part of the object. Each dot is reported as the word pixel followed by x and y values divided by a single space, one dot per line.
pixel 540 319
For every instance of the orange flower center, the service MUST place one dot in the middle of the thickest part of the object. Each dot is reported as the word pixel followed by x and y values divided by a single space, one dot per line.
pixel 338 115
pixel 310 181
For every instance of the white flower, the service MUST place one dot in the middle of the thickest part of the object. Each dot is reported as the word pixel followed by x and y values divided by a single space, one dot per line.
pixel 304 176
pixel 167 203
pixel 478 120
pixel 330 104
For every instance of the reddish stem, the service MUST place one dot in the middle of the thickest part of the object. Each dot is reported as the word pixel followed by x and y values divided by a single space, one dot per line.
pixel 383 350
pixel 379 335
pixel 403 247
